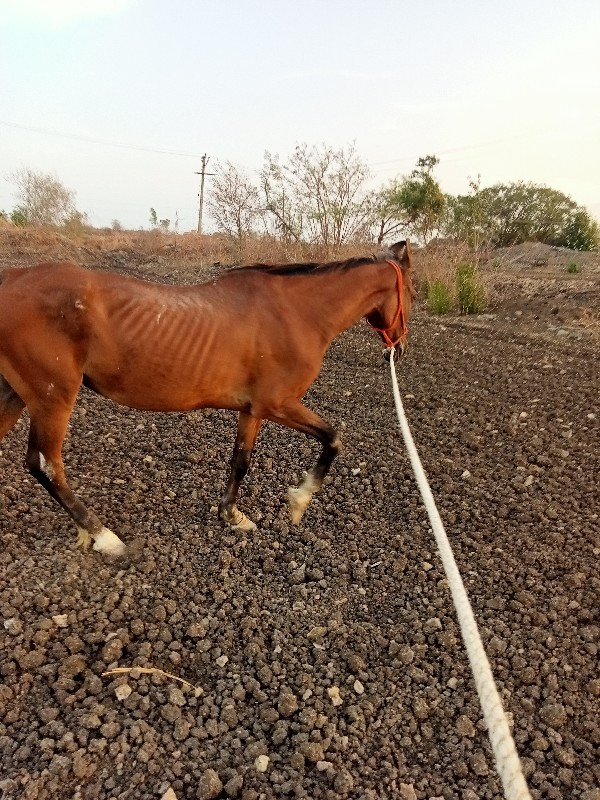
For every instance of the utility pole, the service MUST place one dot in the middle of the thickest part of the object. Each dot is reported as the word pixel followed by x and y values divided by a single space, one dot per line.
pixel 202 173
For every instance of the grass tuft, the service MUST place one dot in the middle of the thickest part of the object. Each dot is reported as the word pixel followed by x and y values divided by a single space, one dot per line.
pixel 438 296
pixel 470 292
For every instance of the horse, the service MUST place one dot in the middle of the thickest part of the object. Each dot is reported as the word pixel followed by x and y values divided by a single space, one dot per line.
pixel 253 341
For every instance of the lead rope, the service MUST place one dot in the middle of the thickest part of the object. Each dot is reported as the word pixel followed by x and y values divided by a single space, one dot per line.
pixel 505 752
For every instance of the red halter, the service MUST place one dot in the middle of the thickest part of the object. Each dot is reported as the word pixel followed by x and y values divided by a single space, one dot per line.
pixel 399 312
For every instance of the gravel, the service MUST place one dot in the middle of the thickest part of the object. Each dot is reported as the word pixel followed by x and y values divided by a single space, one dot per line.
pixel 324 661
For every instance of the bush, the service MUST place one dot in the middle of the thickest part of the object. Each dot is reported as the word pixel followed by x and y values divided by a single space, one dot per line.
pixel 469 291
pixel 438 296
pixel 508 214
pixel 573 267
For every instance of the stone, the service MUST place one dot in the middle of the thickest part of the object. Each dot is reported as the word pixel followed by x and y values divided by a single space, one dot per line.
pixel 407 792
pixel 209 785
pixel 553 714
pixel 287 704
pixel 261 763
pixel 123 691
pixel 334 695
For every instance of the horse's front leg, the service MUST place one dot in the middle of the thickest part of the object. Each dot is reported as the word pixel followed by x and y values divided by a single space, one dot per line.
pixel 247 433
pixel 300 418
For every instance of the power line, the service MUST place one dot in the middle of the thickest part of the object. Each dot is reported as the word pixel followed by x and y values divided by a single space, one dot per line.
pixel 449 151
pixel 93 140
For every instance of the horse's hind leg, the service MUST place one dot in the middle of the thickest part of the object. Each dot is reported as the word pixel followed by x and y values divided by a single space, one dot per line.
pixel 300 418
pixel 44 461
pixel 11 407
pixel 248 428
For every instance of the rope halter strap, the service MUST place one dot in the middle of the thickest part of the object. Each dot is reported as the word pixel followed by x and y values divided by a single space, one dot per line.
pixel 399 315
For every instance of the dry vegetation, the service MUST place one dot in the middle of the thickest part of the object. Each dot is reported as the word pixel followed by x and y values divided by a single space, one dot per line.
pixel 533 286
pixel 169 250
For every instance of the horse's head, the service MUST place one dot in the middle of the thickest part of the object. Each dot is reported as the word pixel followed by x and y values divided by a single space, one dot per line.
pixel 390 319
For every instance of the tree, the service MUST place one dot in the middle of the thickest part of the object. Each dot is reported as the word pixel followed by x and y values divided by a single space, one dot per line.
pixel 509 214
pixel 281 213
pixel 581 232
pixel 415 203
pixel 233 202
pixel 318 195
pixel 43 199
pixel 157 224
pixel 466 219
pixel 18 217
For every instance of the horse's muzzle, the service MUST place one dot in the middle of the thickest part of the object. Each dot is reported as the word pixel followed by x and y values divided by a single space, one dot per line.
pixel 399 350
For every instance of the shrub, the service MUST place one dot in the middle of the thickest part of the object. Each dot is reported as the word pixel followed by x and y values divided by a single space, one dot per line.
pixel 469 291
pixel 573 267
pixel 438 296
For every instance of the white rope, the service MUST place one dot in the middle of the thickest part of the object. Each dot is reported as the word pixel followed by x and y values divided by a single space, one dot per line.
pixel 505 752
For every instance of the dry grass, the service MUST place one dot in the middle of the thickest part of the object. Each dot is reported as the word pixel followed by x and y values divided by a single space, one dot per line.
pixel 590 320
pixel 180 251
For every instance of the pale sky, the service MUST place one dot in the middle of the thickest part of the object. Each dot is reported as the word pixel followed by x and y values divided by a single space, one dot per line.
pixel 506 90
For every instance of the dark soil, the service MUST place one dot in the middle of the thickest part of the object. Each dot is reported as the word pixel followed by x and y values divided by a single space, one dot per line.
pixel 327 658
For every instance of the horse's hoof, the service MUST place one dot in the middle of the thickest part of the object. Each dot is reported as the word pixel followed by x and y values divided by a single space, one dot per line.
pixel 245 525
pixel 109 543
pixel 298 500
pixel 239 522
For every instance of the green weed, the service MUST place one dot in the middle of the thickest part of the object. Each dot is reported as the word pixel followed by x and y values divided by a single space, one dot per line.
pixel 470 292
pixel 438 297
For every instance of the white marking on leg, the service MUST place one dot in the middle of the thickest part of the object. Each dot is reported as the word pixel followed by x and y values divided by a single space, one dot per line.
pixel 108 542
pixel 46 467
pixel 84 539
pixel 299 497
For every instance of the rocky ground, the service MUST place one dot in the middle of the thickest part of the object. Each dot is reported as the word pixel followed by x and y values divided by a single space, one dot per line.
pixel 322 661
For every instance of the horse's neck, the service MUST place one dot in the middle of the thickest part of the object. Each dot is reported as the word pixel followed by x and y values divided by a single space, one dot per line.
pixel 342 298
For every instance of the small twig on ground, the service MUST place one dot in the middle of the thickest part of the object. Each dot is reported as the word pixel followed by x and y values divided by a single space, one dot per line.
pixel 152 670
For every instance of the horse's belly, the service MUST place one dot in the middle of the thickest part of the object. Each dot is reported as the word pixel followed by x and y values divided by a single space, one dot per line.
pixel 162 388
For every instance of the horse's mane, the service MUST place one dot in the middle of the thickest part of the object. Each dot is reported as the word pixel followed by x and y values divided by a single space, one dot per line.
pixel 310 268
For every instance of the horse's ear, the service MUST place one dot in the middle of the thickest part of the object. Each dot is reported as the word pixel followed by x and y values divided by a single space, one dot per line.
pixel 401 252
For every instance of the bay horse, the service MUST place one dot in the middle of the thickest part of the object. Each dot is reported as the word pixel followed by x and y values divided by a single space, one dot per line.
pixel 252 341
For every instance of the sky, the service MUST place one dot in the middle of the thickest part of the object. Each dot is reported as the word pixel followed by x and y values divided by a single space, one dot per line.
pixel 120 99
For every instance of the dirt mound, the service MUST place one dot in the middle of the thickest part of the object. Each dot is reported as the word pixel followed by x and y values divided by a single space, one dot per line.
pixel 531 255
